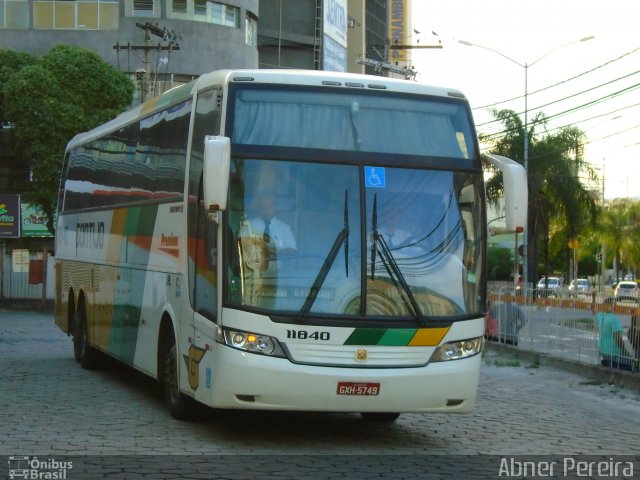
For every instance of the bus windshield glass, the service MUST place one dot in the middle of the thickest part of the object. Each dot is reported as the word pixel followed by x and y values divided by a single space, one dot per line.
pixel 352 120
pixel 322 239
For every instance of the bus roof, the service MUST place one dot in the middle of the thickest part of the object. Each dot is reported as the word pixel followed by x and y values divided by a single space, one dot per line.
pixel 322 78
pixel 276 76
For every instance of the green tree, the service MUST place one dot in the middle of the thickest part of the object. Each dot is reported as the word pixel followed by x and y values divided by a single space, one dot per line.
pixel 560 206
pixel 67 91
pixel 10 63
pixel 500 263
pixel 621 221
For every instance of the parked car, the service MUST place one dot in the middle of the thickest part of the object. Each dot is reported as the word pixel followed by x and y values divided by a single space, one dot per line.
pixel 627 289
pixel 579 286
pixel 503 322
pixel 549 286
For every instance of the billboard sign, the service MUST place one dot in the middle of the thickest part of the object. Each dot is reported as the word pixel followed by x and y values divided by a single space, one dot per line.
pixel 334 56
pixel 398 28
pixel 34 221
pixel 335 20
pixel 334 41
pixel 9 216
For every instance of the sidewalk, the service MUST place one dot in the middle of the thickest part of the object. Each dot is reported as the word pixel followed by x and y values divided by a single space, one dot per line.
pixel 604 375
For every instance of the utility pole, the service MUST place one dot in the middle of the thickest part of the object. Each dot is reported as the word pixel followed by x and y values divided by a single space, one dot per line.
pixel 147 87
pixel 603 272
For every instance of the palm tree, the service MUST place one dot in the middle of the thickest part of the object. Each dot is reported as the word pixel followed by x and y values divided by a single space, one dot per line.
pixel 621 220
pixel 558 200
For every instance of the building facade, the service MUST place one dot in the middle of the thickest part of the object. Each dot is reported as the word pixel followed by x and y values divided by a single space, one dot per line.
pixel 197 35
pixel 160 43
pixel 164 43
pixel 301 34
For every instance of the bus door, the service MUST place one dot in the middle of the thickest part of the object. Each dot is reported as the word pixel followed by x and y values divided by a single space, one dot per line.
pixel 204 283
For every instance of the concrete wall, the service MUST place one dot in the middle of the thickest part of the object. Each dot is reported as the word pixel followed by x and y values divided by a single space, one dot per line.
pixel 203 47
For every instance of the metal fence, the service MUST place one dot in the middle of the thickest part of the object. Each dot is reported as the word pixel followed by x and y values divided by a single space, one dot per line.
pixel 560 323
pixel 26 278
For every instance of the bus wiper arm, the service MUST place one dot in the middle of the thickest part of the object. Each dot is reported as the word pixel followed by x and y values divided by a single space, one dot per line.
pixel 342 238
pixel 379 245
pixel 322 274
pixel 396 276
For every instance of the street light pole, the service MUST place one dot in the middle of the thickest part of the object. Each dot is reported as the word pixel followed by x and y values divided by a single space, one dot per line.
pixel 525 237
pixel 603 252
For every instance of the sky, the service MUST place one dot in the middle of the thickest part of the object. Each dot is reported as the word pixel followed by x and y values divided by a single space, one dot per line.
pixel 593 85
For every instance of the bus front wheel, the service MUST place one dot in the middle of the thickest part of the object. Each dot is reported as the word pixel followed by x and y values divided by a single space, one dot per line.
pixel 181 407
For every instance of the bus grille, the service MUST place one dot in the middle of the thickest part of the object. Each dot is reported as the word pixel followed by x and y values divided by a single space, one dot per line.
pixel 357 356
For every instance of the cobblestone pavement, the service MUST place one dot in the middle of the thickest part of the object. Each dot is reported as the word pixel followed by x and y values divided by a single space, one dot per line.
pixel 51 408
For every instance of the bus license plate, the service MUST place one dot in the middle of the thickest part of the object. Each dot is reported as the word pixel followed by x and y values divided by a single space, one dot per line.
pixel 358 388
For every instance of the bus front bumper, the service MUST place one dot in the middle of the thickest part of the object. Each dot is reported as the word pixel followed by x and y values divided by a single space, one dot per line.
pixel 248 381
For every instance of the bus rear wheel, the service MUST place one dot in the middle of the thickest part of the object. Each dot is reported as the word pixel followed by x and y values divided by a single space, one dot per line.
pixel 181 407
pixel 382 417
pixel 85 354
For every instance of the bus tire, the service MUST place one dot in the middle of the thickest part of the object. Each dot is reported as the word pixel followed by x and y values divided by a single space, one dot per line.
pixel 180 406
pixel 85 354
pixel 381 417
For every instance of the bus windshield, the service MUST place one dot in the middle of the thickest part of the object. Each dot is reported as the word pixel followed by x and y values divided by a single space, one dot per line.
pixel 351 120
pixel 322 239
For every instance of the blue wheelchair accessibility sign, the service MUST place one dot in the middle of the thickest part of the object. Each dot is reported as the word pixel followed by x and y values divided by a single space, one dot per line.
pixel 374 177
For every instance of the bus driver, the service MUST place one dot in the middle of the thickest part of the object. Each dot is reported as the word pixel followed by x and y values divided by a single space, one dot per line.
pixel 276 233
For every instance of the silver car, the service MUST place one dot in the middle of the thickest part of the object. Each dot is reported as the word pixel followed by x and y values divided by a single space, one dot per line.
pixel 579 286
pixel 549 286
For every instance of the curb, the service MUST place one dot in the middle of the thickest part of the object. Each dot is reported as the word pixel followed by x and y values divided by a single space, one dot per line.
pixel 621 378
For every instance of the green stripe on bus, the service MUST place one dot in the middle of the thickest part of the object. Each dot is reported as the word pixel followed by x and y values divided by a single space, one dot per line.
pixel 365 336
pixel 396 337
pixel 388 337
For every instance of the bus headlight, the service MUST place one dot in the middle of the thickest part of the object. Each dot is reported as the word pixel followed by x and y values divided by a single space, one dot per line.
pixel 458 349
pixel 251 342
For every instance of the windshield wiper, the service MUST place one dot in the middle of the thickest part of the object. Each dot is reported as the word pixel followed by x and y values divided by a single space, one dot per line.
pixel 379 245
pixel 342 238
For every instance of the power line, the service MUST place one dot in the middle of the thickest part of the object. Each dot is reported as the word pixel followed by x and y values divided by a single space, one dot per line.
pixel 611 135
pixel 594 117
pixel 571 110
pixel 561 82
pixel 570 96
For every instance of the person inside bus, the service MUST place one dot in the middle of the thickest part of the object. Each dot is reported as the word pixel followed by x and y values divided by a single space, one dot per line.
pixel 613 351
pixel 276 233
pixel 395 236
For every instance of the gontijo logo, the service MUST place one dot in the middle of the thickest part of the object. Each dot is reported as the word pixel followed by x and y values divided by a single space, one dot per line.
pixel 33 468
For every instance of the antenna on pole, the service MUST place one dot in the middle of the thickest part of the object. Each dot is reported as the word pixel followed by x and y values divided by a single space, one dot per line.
pixel 170 39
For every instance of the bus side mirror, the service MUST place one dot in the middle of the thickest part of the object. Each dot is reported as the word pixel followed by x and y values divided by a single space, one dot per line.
pixel 217 159
pixel 516 193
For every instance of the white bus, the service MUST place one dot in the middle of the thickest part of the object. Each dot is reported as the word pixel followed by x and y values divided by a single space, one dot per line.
pixel 365 294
